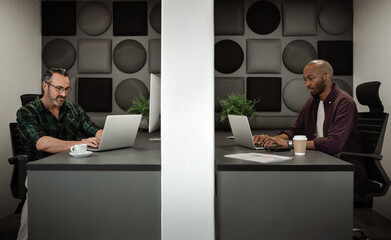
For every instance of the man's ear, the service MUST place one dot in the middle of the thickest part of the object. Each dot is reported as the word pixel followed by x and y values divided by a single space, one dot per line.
pixel 44 85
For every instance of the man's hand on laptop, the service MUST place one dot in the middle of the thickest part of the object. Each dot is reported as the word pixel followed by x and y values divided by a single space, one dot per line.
pixel 98 134
pixel 91 142
pixel 263 140
pixel 260 139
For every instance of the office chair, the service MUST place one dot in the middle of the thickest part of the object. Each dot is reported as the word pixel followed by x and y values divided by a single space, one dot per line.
pixel 19 159
pixel 26 98
pixel 372 127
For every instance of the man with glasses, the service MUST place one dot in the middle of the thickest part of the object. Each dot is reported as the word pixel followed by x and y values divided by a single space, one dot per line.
pixel 50 124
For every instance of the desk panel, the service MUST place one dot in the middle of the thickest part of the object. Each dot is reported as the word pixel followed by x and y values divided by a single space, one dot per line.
pixel 284 205
pixel 94 205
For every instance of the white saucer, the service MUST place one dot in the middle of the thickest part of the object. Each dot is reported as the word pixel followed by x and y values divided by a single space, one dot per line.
pixel 80 155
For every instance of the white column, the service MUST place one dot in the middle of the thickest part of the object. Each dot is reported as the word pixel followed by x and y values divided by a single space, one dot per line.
pixel 187 120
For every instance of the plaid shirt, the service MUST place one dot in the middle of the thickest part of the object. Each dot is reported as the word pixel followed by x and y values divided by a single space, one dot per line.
pixel 36 121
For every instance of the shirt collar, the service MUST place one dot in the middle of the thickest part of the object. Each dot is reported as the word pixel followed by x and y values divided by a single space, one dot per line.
pixel 333 94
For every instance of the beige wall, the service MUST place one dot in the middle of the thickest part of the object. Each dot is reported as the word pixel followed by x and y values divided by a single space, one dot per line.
pixel 372 53
pixel 20 68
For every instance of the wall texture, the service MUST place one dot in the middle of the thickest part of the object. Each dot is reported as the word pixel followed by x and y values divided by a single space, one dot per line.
pixel 372 52
pixel 261 48
pixel 20 67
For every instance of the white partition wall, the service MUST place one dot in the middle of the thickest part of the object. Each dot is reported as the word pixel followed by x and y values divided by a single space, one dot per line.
pixel 187 120
pixel 372 52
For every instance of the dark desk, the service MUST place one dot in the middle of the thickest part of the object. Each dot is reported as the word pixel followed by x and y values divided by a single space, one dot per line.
pixel 309 197
pixel 116 195
pixel 109 195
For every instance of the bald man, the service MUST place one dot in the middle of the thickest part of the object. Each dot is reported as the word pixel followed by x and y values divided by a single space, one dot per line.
pixel 328 118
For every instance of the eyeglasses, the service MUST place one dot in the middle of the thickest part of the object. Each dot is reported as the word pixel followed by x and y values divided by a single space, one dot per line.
pixel 60 89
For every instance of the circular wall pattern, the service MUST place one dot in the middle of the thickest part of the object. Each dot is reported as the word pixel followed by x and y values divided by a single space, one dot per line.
pixel 128 89
pixel 295 94
pixel 297 54
pixel 228 56
pixel 59 53
pixel 263 17
pixel 94 18
pixel 343 85
pixel 129 56
pixel 336 17
pixel 155 17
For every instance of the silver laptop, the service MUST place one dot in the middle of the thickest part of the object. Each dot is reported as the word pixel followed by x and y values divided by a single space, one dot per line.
pixel 242 132
pixel 120 131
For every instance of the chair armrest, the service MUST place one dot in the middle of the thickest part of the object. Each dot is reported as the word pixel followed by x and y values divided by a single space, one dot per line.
pixel 23 159
pixel 376 156
pixel 19 174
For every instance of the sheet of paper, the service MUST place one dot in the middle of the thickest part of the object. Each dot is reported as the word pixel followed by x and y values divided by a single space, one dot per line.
pixel 258 157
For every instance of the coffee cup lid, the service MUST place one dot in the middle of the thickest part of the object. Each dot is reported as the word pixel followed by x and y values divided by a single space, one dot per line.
pixel 299 137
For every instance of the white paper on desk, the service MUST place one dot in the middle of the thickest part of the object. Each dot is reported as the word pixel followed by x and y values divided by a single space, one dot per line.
pixel 258 157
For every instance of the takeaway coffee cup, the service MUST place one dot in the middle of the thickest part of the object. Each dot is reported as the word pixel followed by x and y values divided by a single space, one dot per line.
pixel 79 148
pixel 300 144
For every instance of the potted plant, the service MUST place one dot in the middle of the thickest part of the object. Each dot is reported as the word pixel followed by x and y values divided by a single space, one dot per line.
pixel 237 104
pixel 140 105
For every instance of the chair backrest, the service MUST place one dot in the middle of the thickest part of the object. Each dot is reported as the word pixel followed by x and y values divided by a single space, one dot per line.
pixel 372 126
pixel 26 98
pixel 16 143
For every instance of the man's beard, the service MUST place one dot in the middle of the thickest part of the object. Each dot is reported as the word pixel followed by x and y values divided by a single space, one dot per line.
pixel 321 88
pixel 54 100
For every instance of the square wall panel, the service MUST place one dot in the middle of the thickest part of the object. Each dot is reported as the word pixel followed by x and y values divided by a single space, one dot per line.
pixel 267 90
pixel 263 56
pixel 95 94
pixel 58 18
pixel 154 55
pixel 229 18
pixel 94 56
pixel 225 86
pixel 339 54
pixel 130 19
pixel 299 19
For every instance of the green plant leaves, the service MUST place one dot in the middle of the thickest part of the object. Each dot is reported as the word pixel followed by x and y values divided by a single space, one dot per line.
pixel 140 105
pixel 237 104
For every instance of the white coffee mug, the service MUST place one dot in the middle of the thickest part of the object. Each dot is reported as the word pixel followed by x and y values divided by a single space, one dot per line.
pixel 300 144
pixel 79 148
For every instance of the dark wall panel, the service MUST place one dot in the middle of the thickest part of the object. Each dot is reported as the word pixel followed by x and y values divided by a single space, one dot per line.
pixel 95 94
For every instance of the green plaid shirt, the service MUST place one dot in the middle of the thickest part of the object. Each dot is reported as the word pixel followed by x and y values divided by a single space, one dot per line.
pixel 36 121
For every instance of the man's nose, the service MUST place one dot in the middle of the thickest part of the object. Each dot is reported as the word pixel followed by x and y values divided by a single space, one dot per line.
pixel 307 83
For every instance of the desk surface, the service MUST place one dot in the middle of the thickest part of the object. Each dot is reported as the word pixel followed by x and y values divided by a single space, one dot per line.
pixel 145 156
pixel 312 161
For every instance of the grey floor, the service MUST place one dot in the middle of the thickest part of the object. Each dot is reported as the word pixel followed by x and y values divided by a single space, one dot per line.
pixel 375 225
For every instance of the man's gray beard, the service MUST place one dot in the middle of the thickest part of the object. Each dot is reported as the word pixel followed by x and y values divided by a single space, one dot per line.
pixel 54 100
